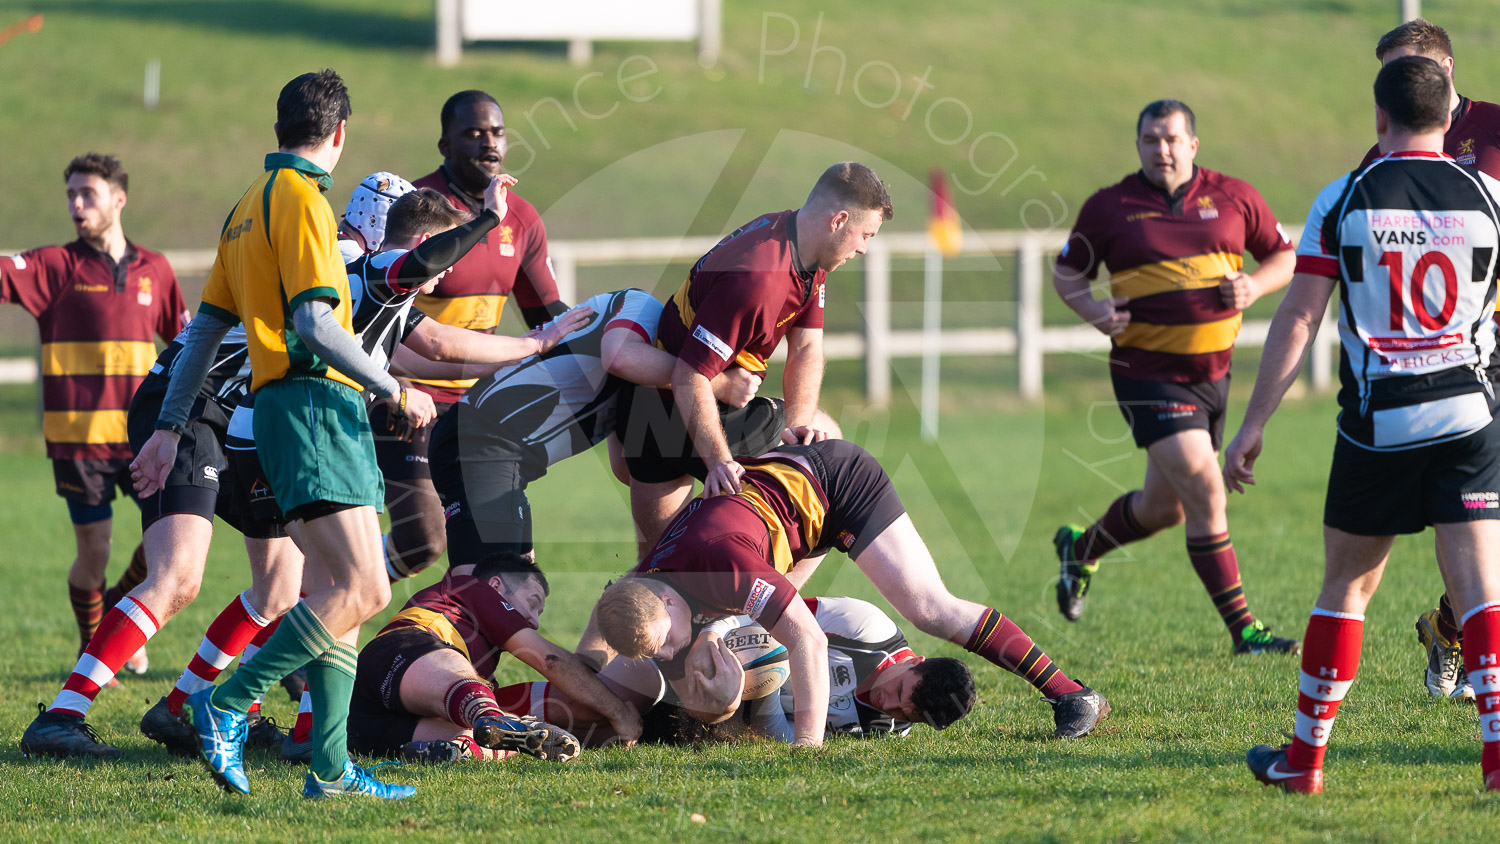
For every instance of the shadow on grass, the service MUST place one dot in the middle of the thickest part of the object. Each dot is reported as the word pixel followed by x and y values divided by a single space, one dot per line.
pixel 347 26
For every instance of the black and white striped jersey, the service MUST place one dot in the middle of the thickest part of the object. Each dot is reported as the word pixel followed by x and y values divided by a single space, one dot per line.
pixel 555 405
pixel 1412 241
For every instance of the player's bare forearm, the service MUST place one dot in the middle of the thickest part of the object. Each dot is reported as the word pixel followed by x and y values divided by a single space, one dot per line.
pixel 1274 273
pixel 627 355
pixel 566 671
pixel 1293 330
pixel 802 380
pixel 449 344
pixel 700 413
pixel 807 653
pixel 1076 292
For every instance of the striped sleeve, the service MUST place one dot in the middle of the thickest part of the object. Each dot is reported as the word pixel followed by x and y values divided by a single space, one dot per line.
pixel 1314 256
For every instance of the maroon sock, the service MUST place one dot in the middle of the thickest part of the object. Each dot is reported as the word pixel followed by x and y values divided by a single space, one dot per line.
pixel 135 575
pixel 1447 622
pixel 1214 561
pixel 1115 528
pixel 468 700
pixel 88 608
pixel 999 640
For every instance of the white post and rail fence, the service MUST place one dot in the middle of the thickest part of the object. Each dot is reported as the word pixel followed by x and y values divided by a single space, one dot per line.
pixel 1028 338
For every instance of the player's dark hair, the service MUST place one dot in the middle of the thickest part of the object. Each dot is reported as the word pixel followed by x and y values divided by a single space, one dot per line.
pixel 1167 108
pixel 1413 91
pixel 513 569
pixel 1426 37
pixel 422 211
pixel 310 108
pixel 462 98
pixel 850 185
pixel 944 692
pixel 106 167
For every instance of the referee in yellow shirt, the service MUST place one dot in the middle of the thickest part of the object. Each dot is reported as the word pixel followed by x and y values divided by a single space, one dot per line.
pixel 278 271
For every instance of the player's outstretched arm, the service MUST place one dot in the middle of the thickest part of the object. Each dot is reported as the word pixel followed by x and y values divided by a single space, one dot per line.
pixel 574 679
pixel 1292 333
pixel 807 651
pixel 483 351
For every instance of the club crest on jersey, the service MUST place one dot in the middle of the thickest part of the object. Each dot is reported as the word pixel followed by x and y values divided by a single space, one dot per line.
pixel 1206 209
pixel 507 242
pixel 144 295
pixel 1466 152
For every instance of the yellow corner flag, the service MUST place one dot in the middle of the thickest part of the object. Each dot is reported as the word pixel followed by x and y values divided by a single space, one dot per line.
pixel 944 231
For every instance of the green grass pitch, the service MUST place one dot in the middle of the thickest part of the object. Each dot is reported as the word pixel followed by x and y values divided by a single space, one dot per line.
pixel 1166 765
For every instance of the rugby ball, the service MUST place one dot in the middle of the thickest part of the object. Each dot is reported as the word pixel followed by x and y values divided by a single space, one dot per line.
pixel 763 658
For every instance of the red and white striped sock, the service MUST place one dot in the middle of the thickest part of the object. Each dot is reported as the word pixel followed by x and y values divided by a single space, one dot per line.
pixel 1482 661
pixel 302 729
pixel 124 630
pixel 1330 659
pixel 228 635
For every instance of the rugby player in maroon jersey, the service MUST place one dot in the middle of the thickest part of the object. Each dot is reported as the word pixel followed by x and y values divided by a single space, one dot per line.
pixel 748 552
pixel 510 262
pixel 1473 138
pixel 99 303
pixel 1173 236
pixel 761 284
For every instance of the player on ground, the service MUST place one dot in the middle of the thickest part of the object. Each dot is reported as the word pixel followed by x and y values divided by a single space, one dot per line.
pixel 511 261
pixel 762 283
pixel 734 554
pixel 1473 138
pixel 1410 245
pixel 425 677
pixel 1173 236
pixel 877 686
pixel 278 262
pixel 510 426
pixel 99 302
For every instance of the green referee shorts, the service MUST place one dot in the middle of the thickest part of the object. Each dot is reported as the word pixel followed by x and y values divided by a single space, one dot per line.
pixel 312 436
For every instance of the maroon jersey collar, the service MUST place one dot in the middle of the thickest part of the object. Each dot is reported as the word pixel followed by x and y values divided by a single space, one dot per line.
pixel 1173 199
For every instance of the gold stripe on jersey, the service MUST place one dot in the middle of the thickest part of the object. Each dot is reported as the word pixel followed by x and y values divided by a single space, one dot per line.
pixel 746 359
pixel 1193 273
pixel 1193 339
pixel 477 313
pixel 805 500
pixel 98 357
pixel 84 426
pixel 432 621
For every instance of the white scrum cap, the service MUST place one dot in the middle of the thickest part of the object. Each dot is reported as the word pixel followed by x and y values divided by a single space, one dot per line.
pixel 371 201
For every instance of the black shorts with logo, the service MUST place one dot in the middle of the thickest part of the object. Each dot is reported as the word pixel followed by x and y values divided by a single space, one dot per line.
pixel 400 459
pixel 1155 410
pixel 862 501
pixel 250 506
pixel 657 445
pixel 482 487
pixel 198 472
pixel 1384 493
pixel 378 723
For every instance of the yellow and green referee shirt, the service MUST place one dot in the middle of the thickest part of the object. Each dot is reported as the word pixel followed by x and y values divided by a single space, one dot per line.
pixel 278 250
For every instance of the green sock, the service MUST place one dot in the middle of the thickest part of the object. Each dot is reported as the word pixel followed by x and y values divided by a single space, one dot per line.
pixel 330 681
pixel 300 639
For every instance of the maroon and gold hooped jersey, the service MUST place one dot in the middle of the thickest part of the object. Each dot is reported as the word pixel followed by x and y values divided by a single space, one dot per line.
pixel 98 321
pixel 511 260
pixel 1167 255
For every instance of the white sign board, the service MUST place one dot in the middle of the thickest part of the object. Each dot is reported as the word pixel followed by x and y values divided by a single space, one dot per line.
pixel 578 22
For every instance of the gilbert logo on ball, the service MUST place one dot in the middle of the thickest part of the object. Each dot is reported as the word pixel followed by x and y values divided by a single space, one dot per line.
pixel 763 658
